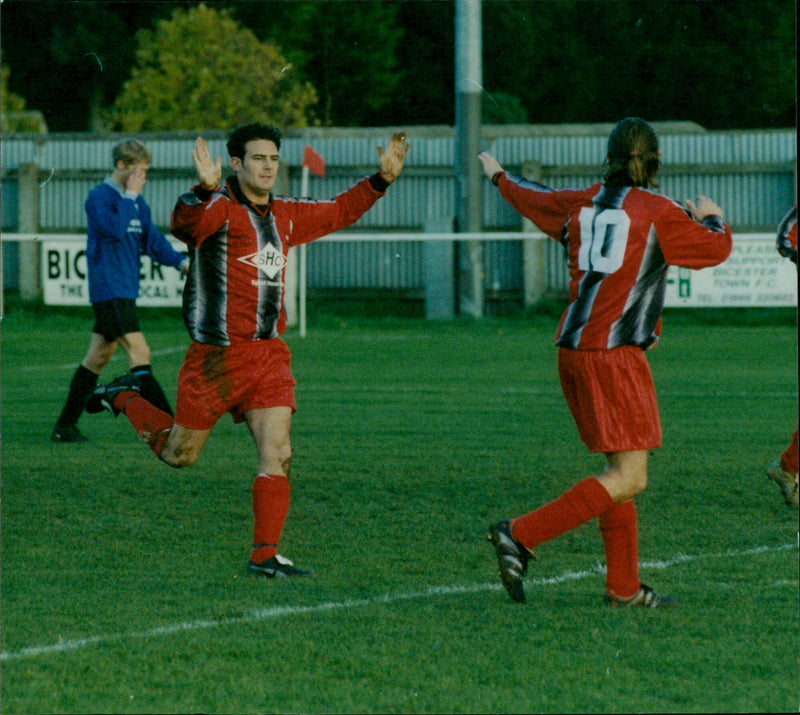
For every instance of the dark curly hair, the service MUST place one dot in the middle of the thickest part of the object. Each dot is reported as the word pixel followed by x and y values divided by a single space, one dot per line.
pixel 238 138
pixel 633 158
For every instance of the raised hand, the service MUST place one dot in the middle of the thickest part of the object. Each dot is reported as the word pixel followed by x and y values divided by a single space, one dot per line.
pixel 703 208
pixel 391 160
pixel 490 165
pixel 208 171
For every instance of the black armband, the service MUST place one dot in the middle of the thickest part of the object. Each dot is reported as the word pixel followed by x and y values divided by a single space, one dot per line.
pixel 496 177
pixel 714 223
pixel 202 193
pixel 378 182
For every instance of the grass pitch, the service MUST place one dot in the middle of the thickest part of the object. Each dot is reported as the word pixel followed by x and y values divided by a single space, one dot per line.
pixel 123 586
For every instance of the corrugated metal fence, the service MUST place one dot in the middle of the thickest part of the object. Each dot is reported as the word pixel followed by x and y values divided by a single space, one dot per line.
pixel 752 175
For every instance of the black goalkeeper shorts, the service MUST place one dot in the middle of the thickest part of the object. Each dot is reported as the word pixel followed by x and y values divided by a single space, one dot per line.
pixel 114 318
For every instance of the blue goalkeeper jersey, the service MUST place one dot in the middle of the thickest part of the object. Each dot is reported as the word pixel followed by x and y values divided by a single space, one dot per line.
pixel 119 231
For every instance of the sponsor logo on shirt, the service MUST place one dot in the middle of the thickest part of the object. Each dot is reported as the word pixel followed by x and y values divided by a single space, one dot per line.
pixel 135 226
pixel 269 260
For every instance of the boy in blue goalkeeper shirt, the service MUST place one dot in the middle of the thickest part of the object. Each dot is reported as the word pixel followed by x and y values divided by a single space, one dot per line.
pixel 119 230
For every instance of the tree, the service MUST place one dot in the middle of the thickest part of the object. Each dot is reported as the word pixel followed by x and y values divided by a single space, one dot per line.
pixel 13 115
pixel 723 65
pixel 74 63
pixel 426 93
pixel 726 65
pixel 201 70
pixel 348 50
pixel 502 108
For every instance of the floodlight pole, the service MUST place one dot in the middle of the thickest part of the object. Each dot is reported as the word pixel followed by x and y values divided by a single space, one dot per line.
pixel 468 86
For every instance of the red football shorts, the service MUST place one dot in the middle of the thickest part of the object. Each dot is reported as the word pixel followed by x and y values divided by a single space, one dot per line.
pixel 612 398
pixel 234 378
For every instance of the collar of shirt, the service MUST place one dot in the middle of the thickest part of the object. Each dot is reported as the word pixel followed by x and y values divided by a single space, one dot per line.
pixel 236 191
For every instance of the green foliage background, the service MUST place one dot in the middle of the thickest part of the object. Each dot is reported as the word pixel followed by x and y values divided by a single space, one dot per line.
pixel 201 70
pixel 13 116
pixel 724 65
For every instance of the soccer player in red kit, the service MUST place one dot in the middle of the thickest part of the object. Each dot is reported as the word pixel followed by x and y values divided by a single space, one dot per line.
pixel 783 471
pixel 239 235
pixel 620 238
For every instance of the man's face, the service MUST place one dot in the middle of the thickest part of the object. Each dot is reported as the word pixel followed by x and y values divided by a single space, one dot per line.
pixel 259 168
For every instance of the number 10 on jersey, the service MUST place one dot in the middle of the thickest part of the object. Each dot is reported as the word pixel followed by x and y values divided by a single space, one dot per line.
pixel 604 237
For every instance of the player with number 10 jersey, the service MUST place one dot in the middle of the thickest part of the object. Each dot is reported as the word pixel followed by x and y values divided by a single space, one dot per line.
pixel 620 241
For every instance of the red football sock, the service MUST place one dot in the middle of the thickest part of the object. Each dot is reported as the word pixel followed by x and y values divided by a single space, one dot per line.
pixel 270 506
pixel 620 539
pixel 151 424
pixel 789 457
pixel 586 500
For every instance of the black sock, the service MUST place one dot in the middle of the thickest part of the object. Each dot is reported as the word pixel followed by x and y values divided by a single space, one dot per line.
pixel 150 389
pixel 81 386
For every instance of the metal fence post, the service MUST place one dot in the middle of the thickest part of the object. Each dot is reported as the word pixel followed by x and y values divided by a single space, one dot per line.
pixel 439 272
pixel 469 88
pixel 533 258
pixel 30 286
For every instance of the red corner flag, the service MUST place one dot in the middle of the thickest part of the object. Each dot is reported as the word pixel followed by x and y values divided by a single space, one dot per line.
pixel 314 162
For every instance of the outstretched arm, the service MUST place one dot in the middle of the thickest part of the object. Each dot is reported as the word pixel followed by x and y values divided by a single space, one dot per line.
pixel 699 241
pixel 312 219
pixel 535 201
pixel 391 160
pixel 209 172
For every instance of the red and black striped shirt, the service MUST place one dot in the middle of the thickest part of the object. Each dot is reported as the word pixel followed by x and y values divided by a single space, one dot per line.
pixel 234 289
pixel 619 242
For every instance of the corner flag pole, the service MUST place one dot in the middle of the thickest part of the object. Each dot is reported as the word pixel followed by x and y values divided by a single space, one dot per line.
pixel 312 161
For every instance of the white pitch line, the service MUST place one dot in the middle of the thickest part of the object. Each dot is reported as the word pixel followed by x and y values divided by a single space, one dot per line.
pixel 118 356
pixel 263 614
pixel 182 349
